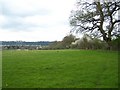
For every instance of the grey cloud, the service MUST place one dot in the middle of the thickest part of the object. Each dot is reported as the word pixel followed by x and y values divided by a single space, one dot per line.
pixel 42 11
pixel 13 21
pixel 16 23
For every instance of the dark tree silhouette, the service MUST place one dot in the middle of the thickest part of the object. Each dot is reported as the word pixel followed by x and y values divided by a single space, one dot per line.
pixel 98 18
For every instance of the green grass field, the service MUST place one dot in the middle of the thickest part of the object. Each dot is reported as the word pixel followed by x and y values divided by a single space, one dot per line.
pixel 60 69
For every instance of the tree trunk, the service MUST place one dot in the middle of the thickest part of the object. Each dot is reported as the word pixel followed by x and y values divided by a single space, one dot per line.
pixel 109 43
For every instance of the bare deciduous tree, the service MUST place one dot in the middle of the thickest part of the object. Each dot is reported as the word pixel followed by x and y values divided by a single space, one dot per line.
pixel 98 18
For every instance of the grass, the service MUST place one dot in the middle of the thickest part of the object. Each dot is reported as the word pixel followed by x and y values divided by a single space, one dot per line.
pixel 60 69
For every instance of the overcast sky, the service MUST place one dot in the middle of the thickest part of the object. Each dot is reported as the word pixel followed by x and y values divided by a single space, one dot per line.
pixel 35 20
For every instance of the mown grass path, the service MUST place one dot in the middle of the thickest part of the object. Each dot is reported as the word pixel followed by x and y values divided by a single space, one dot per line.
pixel 60 69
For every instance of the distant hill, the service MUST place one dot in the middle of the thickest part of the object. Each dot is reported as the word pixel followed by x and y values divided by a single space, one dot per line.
pixel 24 43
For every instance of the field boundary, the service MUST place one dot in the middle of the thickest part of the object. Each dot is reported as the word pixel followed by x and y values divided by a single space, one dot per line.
pixel 0 65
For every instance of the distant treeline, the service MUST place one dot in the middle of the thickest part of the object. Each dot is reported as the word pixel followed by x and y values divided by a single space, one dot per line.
pixel 68 42
pixel 10 45
pixel 24 43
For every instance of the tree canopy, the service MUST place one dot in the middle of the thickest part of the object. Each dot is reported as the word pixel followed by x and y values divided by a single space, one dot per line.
pixel 98 18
